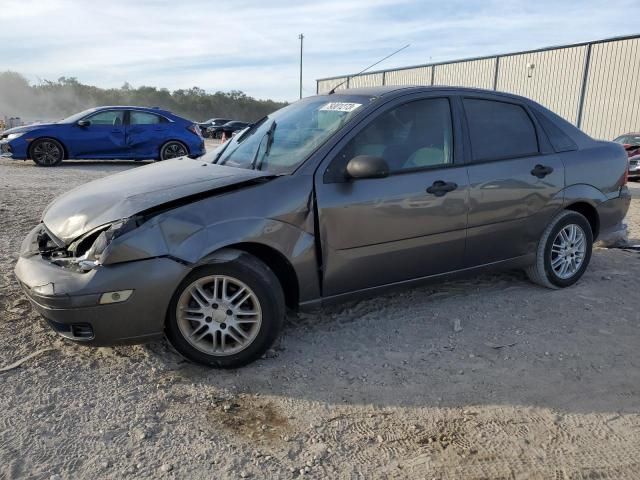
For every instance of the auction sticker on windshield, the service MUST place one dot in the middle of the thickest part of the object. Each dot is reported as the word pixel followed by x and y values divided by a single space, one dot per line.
pixel 340 107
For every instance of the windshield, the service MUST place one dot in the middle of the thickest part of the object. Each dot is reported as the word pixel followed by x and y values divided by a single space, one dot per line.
pixel 282 141
pixel 77 116
pixel 629 140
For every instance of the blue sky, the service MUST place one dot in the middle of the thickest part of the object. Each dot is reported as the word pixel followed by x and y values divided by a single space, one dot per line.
pixel 252 45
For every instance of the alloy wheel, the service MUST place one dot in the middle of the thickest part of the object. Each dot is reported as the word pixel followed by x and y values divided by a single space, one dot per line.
pixel 219 315
pixel 568 251
pixel 46 153
pixel 173 150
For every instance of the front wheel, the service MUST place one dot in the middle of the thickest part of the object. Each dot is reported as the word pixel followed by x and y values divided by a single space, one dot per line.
pixel 46 152
pixel 173 149
pixel 564 251
pixel 228 314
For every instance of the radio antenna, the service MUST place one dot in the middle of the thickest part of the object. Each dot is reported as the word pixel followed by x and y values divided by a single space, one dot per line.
pixel 333 90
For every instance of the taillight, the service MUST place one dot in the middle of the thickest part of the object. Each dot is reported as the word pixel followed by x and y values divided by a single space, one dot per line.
pixel 195 129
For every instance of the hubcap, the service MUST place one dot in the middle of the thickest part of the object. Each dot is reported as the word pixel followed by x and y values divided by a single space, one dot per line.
pixel 46 153
pixel 568 251
pixel 173 150
pixel 219 315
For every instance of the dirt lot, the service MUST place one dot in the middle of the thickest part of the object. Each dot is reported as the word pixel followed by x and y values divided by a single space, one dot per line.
pixel 536 384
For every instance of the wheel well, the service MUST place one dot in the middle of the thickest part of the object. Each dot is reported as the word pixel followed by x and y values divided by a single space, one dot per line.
pixel 279 264
pixel 65 151
pixel 177 141
pixel 590 213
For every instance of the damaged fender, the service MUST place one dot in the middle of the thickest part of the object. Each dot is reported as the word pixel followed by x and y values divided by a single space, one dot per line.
pixel 194 232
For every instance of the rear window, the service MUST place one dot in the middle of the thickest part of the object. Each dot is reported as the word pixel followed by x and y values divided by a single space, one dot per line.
pixel 499 130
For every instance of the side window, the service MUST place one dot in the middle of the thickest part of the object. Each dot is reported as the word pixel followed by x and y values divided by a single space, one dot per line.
pixel 143 118
pixel 499 130
pixel 414 135
pixel 560 140
pixel 110 117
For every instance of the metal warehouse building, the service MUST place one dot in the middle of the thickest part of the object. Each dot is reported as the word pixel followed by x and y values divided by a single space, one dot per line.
pixel 595 85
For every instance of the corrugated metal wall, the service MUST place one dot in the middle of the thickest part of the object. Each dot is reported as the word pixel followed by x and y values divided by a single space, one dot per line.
pixel 324 86
pixel 366 80
pixel 555 79
pixel 409 76
pixel 595 84
pixel 475 73
pixel 612 98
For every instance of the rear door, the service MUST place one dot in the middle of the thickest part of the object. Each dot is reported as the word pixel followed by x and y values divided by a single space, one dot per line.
pixel 380 231
pixel 515 180
pixel 146 132
pixel 104 137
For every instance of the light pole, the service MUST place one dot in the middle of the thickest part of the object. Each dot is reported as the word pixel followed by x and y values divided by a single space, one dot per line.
pixel 301 37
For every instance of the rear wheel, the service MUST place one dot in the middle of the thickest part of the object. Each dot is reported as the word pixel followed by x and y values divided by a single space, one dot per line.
pixel 46 152
pixel 173 149
pixel 228 314
pixel 564 251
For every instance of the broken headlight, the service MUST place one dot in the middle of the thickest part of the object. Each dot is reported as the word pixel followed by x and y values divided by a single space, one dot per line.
pixel 87 250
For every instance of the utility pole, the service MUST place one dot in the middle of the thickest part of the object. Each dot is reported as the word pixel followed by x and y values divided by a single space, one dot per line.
pixel 301 37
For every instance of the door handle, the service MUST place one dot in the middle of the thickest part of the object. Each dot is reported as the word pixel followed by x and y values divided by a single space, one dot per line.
pixel 541 171
pixel 440 188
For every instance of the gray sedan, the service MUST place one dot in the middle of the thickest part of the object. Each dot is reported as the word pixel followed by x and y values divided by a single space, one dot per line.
pixel 332 198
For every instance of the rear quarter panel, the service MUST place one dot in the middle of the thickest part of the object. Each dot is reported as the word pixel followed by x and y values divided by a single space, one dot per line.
pixel 601 165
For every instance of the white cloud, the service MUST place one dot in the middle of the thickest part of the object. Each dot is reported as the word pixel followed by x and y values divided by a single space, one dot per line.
pixel 252 45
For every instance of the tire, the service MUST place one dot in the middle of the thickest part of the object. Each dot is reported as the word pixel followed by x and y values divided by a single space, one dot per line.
pixel 173 149
pixel 552 257
pixel 46 152
pixel 200 327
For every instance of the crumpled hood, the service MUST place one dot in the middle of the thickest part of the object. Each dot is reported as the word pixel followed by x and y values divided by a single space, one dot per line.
pixel 124 194
pixel 28 128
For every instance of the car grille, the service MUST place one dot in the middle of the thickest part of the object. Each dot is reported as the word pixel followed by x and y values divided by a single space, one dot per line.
pixel 633 162
pixel 5 148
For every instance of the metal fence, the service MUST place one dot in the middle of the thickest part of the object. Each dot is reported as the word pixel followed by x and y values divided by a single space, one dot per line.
pixel 595 85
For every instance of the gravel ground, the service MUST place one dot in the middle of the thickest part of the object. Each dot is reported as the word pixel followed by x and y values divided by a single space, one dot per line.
pixel 490 377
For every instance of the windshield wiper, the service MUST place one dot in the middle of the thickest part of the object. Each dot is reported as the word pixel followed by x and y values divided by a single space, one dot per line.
pixel 256 164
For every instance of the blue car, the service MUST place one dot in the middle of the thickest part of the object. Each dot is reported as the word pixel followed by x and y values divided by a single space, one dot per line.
pixel 131 133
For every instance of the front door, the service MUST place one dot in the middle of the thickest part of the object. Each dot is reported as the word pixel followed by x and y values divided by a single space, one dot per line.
pixel 104 137
pixel 408 225
pixel 515 183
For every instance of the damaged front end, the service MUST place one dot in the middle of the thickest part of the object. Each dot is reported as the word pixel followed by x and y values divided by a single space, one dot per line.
pixel 81 255
pixel 86 299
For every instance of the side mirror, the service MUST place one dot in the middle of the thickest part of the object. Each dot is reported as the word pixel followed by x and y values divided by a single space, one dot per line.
pixel 84 123
pixel 367 166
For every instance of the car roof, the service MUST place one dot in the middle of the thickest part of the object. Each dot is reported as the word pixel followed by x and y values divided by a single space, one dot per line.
pixel 395 89
pixel 134 107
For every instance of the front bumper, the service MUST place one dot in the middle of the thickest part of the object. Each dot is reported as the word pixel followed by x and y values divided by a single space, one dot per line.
pixel 68 300
pixel 5 149
pixel 16 149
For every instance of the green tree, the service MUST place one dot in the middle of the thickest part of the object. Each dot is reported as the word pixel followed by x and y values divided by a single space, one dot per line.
pixel 52 100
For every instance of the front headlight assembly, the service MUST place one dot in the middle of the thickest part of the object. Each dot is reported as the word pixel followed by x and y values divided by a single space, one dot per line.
pixel 87 250
pixel 13 136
